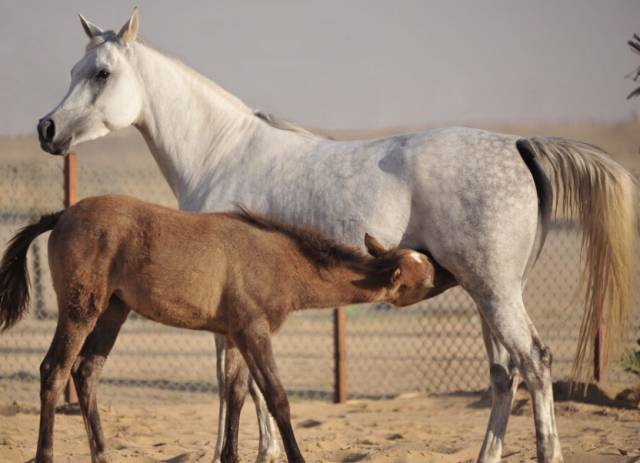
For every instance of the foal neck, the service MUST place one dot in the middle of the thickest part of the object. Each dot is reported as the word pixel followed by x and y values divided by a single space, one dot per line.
pixel 342 285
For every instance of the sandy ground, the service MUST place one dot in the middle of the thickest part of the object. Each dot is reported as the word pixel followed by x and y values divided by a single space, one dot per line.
pixel 410 428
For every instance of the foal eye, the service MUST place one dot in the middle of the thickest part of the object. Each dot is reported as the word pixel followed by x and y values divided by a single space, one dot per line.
pixel 102 74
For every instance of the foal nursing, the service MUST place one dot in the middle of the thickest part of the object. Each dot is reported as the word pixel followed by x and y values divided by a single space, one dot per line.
pixel 232 273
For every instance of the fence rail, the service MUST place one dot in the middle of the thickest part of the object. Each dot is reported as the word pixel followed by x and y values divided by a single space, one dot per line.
pixel 356 351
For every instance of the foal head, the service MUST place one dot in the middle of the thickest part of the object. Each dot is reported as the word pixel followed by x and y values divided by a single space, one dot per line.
pixel 411 279
pixel 105 92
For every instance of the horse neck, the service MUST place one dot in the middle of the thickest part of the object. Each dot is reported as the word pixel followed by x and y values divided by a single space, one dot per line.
pixel 188 122
pixel 339 285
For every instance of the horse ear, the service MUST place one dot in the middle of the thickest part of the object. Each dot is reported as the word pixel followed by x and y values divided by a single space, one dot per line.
pixel 129 31
pixel 395 275
pixel 373 246
pixel 89 28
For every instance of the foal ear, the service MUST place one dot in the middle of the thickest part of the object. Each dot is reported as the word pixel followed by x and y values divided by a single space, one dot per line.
pixel 129 31
pixel 89 28
pixel 395 275
pixel 373 246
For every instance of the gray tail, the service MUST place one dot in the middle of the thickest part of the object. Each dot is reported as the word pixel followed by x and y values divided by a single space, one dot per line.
pixel 580 181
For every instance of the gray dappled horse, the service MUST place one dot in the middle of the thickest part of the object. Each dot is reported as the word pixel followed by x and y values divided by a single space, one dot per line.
pixel 479 202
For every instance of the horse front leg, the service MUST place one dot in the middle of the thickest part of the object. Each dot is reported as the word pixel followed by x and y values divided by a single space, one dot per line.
pixel 255 344
pixel 221 351
pixel 236 384
pixel 268 449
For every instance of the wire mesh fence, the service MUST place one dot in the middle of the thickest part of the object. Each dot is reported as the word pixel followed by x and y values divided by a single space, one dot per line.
pixel 432 347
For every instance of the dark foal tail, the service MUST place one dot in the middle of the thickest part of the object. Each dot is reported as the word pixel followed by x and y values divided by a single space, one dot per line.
pixel 14 273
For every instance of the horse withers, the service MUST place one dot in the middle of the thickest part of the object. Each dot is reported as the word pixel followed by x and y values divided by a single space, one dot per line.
pixel 237 274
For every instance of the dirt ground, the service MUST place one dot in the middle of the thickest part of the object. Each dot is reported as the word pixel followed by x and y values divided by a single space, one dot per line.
pixel 410 428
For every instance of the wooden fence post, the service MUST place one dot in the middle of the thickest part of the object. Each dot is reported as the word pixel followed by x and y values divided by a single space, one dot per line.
pixel 340 355
pixel 70 198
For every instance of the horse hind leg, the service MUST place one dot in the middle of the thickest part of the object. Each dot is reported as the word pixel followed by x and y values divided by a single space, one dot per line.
pixel 88 367
pixel 510 324
pixel 77 316
pixel 503 386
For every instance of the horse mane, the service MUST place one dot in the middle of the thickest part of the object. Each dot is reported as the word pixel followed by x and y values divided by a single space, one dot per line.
pixel 281 124
pixel 320 250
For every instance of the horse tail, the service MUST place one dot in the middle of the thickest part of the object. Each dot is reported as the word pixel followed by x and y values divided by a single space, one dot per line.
pixel 582 182
pixel 14 273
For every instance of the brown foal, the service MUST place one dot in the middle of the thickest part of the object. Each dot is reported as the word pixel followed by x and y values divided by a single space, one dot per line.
pixel 232 273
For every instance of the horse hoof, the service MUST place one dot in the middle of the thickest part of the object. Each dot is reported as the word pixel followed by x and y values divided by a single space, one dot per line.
pixel 270 456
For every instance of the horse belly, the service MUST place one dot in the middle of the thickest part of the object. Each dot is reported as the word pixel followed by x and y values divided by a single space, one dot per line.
pixel 344 196
pixel 192 306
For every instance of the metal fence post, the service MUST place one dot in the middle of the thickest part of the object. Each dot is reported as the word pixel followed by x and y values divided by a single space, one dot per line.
pixel 340 355
pixel 70 198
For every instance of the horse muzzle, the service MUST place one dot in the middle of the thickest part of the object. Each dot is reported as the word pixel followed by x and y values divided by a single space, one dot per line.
pixel 47 135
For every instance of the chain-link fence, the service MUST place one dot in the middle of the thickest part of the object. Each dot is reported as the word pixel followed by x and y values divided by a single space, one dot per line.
pixel 433 347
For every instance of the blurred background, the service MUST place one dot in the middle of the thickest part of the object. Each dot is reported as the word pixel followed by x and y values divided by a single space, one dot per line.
pixel 347 69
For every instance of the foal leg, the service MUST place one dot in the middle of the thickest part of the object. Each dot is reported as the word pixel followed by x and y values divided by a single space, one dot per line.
pixel 236 382
pixel 75 321
pixel 255 344
pixel 510 324
pixel 87 368
pixel 503 387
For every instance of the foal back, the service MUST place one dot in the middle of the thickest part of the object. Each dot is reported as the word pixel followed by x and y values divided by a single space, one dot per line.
pixel 178 268
pixel 166 265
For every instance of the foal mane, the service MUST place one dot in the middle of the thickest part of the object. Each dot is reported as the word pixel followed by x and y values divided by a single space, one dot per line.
pixel 320 250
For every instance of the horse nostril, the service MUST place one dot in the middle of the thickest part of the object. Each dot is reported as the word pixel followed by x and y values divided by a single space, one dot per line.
pixel 46 130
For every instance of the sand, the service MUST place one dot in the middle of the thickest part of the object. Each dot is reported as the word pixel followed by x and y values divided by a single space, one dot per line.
pixel 410 428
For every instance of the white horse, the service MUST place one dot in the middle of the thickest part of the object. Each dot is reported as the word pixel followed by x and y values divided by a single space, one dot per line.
pixel 479 202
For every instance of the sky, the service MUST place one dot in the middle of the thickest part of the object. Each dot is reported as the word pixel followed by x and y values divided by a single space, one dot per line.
pixel 357 64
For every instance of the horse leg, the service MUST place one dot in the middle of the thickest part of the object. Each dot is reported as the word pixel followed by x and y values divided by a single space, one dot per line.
pixel 236 384
pixel 255 344
pixel 510 324
pixel 268 448
pixel 503 387
pixel 221 351
pixel 75 321
pixel 87 368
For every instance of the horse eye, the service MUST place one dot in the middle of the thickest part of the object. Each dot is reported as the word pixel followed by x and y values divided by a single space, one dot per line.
pixel 103 74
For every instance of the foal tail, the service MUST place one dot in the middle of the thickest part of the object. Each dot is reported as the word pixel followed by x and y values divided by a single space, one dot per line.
pixel 582 182
pixel 14 273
